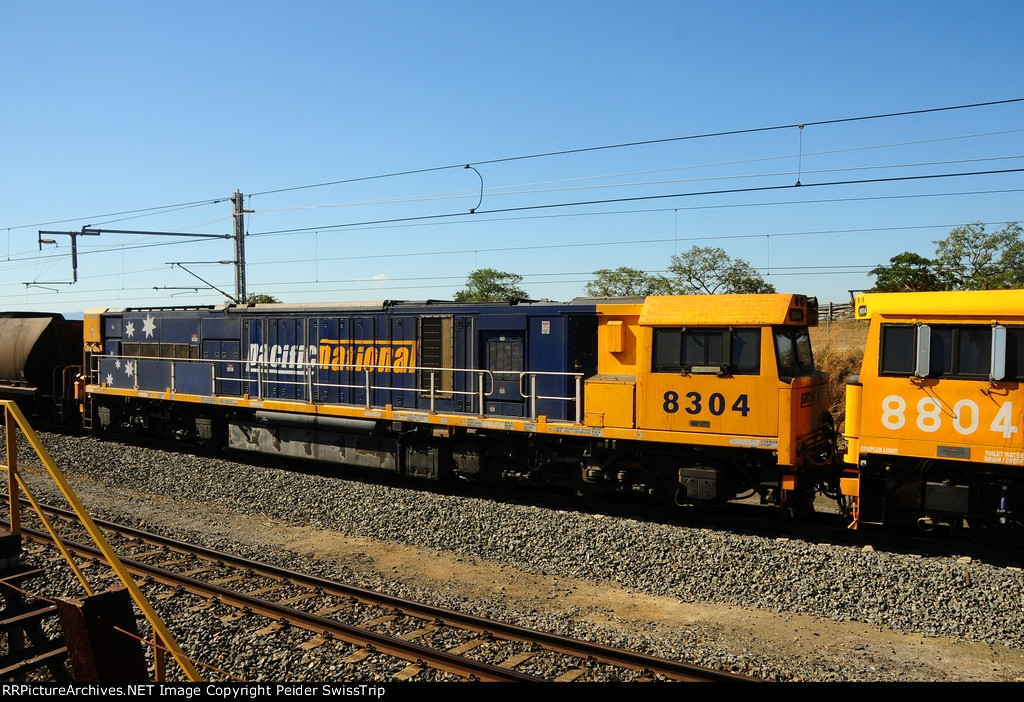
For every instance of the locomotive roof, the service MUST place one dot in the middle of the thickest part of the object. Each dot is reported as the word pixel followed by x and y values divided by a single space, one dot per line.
pixel 279 306
pixel 652 311
pixel 983 304
pixel 357 306
pixel 725 309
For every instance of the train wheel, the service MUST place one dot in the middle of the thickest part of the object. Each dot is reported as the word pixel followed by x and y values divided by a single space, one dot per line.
pixel 797 504
pixel 997 530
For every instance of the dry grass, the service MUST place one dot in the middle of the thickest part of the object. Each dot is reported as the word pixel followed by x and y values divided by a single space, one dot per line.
pixel 838 351
pixel 844 334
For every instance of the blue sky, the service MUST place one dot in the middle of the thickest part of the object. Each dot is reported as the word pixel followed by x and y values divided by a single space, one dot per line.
pixel 147 116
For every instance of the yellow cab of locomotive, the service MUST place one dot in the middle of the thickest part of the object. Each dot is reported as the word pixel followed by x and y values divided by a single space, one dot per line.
pixel 932 420
pixel 732 372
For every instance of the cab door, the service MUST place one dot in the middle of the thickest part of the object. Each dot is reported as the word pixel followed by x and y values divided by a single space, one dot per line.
pixel 504 358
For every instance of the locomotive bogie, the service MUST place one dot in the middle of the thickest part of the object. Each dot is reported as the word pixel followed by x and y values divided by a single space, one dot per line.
pixel 895 491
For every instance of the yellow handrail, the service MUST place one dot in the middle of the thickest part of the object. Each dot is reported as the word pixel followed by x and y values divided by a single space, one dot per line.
pixel 13 419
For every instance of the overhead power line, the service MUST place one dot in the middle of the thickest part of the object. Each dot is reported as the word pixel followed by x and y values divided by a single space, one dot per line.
pixel 648 142
pixel 641 198
pixel 31 258
pixel 705 135
pixel 160 209
pixel 508 191
pixel 773 270
pixel 592 203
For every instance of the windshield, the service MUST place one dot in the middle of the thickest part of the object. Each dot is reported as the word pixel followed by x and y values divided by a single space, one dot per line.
pixel 793 349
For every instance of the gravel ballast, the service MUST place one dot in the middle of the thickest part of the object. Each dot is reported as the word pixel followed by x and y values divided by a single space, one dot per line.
pixel 816 612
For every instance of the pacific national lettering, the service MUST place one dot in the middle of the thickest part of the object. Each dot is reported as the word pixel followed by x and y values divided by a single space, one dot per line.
pixel 332 354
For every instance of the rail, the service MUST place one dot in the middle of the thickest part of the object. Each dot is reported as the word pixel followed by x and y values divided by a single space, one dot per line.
pixel 206 577
pixel 256 380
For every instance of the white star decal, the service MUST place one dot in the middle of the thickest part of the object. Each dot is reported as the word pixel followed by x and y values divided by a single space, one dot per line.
pixel 110 379
pixel 129 329
pixel 117 363
pixel 129 368
pixel 148 325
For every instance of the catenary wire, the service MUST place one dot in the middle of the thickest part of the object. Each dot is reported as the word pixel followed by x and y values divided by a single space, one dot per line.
pixel 648 142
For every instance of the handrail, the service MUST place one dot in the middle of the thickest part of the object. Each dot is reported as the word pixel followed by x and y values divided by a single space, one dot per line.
pixel 13 420
pixel 533 396
pixel 305 375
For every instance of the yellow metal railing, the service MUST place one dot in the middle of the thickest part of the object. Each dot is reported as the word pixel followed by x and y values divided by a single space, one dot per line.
pixel 13 420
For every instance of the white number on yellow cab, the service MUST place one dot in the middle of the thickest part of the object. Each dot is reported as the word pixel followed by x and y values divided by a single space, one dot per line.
pixel 928 416
pixel 1003 422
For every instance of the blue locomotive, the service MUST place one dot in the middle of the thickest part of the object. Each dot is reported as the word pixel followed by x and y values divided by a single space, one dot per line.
pixel 684 398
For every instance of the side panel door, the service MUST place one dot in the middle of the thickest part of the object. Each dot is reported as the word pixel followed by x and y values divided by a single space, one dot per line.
pixel 503 356
pixel 225 356
pixel 399 361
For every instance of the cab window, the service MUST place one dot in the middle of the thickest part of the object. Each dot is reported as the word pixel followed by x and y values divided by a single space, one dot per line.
pixel 952 350
pixel 723 351
pixel 793 351
pixel 897 352
pixel 1014 353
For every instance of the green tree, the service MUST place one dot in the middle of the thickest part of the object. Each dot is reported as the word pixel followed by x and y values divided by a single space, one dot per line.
pixel 906 272
pixel 627 282
pixel 711 271
pixel 260 298
pixel 972 259
pixel 489 285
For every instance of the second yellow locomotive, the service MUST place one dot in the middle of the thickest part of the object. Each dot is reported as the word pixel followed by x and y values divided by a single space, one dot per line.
pixel 933 420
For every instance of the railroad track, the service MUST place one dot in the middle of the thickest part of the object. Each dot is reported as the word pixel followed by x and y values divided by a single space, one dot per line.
pixel 434 643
